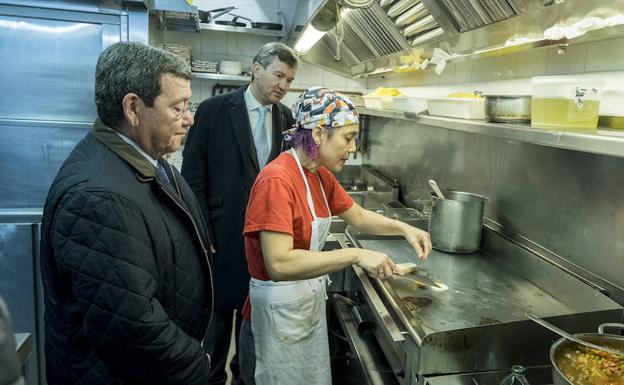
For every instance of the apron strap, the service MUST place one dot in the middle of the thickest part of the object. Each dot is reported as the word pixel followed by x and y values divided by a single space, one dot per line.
pixel 308 193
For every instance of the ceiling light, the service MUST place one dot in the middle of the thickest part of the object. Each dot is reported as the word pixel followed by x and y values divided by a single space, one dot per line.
pixel 309 37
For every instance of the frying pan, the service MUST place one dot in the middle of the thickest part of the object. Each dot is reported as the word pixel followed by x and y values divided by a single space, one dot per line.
pixel 231 23
pixel 271 26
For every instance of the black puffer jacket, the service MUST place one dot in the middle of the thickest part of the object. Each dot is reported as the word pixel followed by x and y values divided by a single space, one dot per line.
pixel 126 274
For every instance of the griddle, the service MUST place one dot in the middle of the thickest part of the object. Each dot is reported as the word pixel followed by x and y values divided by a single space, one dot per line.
pixel 479 322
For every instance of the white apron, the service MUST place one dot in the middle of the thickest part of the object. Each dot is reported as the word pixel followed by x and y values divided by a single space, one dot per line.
pixel 289 325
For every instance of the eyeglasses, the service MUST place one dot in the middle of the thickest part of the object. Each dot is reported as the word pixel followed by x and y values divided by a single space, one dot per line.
pixel 181 111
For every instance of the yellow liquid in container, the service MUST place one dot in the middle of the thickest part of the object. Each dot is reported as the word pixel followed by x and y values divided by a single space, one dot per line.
pixel 565 114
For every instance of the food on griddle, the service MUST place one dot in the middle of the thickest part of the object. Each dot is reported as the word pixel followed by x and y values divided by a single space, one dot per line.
pixel 415 303
pixel 582 365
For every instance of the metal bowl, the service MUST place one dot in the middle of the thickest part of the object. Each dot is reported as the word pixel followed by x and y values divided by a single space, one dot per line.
pixel 508 108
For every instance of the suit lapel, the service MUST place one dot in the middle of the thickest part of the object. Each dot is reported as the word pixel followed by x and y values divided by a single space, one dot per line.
pixel 242 130
pixel 276 131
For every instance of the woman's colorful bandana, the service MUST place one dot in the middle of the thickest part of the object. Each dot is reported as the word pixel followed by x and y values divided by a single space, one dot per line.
pixel 322 106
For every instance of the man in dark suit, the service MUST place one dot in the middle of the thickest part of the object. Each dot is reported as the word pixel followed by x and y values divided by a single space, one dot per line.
pixel 234 136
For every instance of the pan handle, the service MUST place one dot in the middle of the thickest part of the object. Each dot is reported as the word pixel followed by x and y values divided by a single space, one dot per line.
pixel 611 325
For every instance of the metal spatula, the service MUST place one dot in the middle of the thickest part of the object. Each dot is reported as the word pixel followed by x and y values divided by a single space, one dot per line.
pixel 419 280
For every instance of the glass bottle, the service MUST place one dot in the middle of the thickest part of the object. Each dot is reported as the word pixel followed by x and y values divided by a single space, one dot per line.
pixel 516 377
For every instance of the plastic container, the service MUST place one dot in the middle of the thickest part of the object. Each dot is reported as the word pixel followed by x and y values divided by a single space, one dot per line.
pixel 410 104
pixel 565 103
pixel 461 108
pixel 398 103
pixel 379 102
pixel 372 101
pixel 230 67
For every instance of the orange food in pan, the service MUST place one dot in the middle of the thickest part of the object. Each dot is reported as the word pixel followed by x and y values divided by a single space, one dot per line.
pixel 582 365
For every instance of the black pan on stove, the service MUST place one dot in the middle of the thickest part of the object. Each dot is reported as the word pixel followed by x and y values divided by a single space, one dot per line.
pixel 231 23
pixel 271 26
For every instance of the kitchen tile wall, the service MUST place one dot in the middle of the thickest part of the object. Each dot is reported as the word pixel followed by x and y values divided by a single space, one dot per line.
pixel 595 62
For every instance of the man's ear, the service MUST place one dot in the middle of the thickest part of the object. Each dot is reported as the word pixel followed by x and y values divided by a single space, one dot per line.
pixel 255 69
pixel 131 104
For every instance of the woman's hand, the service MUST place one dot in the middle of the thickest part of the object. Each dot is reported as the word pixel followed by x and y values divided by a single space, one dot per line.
pixel 376 264
pixel 419 239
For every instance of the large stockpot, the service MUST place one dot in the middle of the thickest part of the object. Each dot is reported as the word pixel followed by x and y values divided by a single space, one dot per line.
pixel 600 338
pixel 456 222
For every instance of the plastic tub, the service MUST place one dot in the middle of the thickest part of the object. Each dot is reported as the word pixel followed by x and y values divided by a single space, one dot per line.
pixel 565 103
pixel 372 101
pixel 410 104
pixel 230 67
pixel 379 102
pixel 461 108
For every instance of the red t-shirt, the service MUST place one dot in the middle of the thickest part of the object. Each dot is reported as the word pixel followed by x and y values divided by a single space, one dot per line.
pixel 278 203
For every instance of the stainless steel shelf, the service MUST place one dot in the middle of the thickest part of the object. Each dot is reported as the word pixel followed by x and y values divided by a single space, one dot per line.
pixel 238 78
pixel 255 31
pixel 601 143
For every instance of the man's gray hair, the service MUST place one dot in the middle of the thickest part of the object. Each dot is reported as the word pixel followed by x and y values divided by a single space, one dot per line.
pixel 129 67
pixel 269 51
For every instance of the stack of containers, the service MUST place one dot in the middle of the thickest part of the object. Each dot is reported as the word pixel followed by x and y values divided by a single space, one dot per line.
pixel 564 103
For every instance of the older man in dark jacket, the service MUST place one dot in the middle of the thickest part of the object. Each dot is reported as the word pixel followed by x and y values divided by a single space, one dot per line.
pixel 125 260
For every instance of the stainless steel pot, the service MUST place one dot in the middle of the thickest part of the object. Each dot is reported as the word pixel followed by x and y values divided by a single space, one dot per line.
pixel 456 222
pixel 508 108
pixel 599 338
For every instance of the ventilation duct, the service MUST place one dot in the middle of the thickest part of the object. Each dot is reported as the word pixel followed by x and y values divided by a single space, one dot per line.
pixel 383 35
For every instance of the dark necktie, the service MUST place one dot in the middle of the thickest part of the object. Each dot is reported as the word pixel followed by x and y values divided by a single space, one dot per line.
pixel 163 173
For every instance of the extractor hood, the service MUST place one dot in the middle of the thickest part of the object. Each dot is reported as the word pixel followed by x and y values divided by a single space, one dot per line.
pixel 174 14
pixel 385 35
